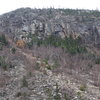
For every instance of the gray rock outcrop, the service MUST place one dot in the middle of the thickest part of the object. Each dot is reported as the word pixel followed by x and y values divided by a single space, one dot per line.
pixel 43 22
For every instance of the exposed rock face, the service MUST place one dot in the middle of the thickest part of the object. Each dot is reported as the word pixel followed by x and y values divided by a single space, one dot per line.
pixel 52 21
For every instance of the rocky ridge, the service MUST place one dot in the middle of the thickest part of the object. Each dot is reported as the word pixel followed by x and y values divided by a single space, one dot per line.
pixel 44 22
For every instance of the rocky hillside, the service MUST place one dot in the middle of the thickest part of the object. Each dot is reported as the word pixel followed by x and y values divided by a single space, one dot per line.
pixel 50 54
pixel 64 22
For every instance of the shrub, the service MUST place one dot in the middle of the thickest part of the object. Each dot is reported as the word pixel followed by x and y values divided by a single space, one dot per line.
pixel 49 93
pixel 46 61
pixel 80 96
pixel 97 60
pixel 24 82
pixel 37 66
pixel 82 87
pixel 11 65
pixel 30 44
pixel 18 94
pixel 90 65
pixel 20 43
pixel 13 50
pixel 3 40
pixel 30 74
pixel 3 64
pixel 66 97
pixel 1 46
pixel 49 67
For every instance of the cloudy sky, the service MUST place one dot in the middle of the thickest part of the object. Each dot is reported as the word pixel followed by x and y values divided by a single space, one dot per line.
pixel 9 5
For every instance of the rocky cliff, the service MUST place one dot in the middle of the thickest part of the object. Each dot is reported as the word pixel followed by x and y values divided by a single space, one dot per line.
pixel 44 22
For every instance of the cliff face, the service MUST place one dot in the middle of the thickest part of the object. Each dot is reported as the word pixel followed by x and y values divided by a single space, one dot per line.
pixel 78 23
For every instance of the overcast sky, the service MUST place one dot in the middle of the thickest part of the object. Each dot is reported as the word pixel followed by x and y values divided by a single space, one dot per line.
pixel 9 5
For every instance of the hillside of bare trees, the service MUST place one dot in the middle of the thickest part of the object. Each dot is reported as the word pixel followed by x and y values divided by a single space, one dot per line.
pixel 50 54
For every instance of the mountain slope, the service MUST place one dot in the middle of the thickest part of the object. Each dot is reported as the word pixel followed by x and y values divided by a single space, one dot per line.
pixel 50 54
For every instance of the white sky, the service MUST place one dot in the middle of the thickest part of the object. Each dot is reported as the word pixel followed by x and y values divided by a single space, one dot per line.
pixel 9 5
